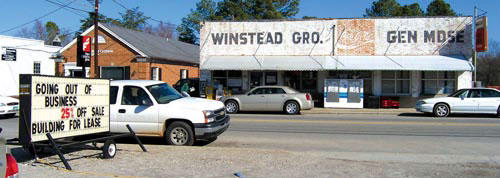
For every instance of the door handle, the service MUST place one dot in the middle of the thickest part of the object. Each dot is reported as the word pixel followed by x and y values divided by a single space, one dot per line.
pixel 122 111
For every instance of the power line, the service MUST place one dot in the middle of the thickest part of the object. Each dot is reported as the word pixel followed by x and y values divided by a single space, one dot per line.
pixel 45 15
pixel 62 5
pixel 121 5
pixel 70 10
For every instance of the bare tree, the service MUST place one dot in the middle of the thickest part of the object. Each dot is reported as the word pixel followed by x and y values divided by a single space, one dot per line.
pixel 165 30
pixel 488 65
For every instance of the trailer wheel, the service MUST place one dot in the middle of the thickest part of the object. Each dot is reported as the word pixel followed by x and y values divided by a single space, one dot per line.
pixel 109 149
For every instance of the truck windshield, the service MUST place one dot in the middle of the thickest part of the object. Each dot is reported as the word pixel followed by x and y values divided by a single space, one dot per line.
pixel 163 93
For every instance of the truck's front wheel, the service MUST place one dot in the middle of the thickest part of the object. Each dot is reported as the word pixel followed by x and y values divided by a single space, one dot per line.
pixel 179 133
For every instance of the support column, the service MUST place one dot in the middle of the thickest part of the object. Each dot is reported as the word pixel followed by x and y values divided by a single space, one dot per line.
pixel 245 77
pixel 377 83
pixel 322 75
pixel 416 83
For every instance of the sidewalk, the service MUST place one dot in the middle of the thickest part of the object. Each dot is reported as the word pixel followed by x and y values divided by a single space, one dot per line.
pixel 358 111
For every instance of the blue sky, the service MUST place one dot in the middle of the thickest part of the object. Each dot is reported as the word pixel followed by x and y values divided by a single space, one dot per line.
pixel 16 12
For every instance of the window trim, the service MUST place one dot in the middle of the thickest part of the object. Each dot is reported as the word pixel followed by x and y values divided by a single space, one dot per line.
pixel 39 67
pixel 437 80
pixel 396 79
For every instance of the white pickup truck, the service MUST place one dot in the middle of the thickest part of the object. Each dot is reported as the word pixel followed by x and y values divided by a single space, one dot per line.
pixel 153 108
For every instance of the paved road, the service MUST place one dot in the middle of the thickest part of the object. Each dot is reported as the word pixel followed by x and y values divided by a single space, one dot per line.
pixel 409 137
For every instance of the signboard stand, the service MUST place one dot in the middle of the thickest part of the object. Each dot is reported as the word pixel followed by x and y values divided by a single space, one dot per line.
pixel 58 147
pixel 54 108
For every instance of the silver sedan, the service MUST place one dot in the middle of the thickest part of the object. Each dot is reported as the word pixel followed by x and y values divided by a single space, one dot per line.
pixel 473 100
pixel 269 98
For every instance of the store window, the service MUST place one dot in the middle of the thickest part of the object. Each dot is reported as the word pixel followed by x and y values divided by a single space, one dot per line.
pixel 36 67
pixel 304 81
pixel 271 78
pixel 155 73
pixel 232 80
pixel 442 82
pixel 395 82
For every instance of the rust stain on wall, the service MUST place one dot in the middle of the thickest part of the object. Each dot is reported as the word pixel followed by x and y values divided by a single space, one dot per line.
pixel 355 37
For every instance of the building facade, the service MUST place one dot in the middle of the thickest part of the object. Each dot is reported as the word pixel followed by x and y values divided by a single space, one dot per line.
pixel 129 54
pixel 407 58
pixel 23 56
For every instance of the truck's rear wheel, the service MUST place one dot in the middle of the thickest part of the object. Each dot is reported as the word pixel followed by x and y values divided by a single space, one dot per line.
pixel 179 133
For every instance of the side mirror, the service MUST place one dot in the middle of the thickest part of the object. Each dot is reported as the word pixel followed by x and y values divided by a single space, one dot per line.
pixel 185 94
pixel 146 102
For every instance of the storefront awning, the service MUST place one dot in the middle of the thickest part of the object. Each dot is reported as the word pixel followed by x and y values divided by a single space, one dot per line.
pixel 420 63
pixel 282 63
pixel 314 63
pixel 230 63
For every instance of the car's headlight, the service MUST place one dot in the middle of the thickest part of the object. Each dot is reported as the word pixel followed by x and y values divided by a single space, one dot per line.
pixel 421 102
pixel 209 116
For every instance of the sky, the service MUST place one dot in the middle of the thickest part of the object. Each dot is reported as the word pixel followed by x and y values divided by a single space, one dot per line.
pixel 18 12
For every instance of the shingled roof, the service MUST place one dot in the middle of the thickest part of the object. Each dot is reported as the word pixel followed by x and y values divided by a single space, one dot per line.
pixel 151 46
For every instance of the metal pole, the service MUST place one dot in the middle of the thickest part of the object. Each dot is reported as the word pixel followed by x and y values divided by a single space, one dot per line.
pixel 96 40
pixel 474 46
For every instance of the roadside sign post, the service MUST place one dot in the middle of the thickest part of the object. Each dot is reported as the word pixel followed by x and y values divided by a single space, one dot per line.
pixel 83 53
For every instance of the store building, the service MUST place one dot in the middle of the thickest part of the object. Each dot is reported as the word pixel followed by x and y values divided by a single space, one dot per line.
pixel 408 58
pixel 23 56
pixel 129 54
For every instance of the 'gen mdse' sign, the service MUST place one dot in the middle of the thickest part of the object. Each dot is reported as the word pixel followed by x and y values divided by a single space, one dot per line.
pixel 63 107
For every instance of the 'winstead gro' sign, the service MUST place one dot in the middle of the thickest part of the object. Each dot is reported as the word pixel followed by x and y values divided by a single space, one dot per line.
pixel 63 107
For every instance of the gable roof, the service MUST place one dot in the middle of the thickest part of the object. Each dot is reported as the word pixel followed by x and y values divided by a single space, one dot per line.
pixel 150 46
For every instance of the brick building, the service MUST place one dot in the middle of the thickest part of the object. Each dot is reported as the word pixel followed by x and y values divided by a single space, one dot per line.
pixel 129 54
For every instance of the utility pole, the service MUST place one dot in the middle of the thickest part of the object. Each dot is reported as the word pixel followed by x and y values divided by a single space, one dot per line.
pixel 96 40
pixel 474 46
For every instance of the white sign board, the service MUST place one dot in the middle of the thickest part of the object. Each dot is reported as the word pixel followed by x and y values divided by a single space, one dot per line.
pixel 63 107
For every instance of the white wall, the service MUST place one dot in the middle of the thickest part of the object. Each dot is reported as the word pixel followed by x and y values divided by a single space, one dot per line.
pixel 464 80
pixel 353 37
pixel 28 51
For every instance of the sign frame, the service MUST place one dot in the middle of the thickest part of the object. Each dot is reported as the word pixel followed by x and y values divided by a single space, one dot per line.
pixel 26 107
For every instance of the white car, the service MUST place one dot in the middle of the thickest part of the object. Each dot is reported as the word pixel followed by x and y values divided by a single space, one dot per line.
pixel 9 106
pixel 472 100
pixel 153 108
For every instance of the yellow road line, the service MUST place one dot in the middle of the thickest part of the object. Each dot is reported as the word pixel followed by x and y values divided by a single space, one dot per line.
pixel 368 122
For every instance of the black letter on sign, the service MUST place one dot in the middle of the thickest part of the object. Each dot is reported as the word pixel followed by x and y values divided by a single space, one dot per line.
pixel 278 38
pixel 296 37
pixel 217 38
pixel 429 37
pixel 391 36
pixel 315 37
pixel 441 36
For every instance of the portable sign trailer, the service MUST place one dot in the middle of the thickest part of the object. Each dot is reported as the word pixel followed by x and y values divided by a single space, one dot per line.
pixel 60 107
